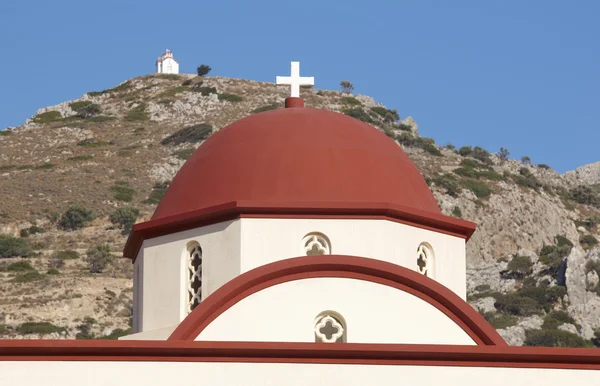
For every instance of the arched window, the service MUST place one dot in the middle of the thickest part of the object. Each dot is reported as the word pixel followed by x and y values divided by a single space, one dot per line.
pixel 425 260
pixel 316 243
pixel 194 270
pixel 330 327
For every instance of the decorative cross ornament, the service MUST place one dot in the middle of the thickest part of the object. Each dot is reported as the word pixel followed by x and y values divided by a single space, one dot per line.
pixel 329 330
pixel 295 80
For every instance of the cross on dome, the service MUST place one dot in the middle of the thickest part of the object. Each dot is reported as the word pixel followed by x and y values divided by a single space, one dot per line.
pixel 295 80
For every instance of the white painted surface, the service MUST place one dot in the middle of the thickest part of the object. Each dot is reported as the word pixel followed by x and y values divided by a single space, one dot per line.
pixel 295 80
pixel 164 271
pixel 235 247
pixel 277 374
pixel 166 64
pixel 373 313
pixel 268 240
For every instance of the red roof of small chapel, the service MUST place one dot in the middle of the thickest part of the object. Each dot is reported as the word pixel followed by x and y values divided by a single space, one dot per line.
pixel 296 161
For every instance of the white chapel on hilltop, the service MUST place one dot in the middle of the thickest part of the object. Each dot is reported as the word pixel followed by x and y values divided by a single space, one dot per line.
pixel 296 247
pixel 166 64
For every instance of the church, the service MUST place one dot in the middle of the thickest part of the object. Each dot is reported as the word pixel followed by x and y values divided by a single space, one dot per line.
pixel 299 246
pixel 166 64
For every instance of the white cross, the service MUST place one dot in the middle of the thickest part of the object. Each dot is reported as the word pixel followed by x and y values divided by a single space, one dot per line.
pixel 295 80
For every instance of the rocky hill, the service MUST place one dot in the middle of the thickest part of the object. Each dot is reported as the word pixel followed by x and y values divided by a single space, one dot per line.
pixel 533 264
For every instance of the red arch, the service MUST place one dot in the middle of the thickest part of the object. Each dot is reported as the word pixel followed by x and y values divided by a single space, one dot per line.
pixel 360 268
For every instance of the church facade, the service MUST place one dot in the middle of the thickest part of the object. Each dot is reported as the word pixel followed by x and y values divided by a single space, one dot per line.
pixel 299 246
pixel 166 64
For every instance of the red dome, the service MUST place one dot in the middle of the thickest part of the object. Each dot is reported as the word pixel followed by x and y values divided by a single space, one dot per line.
pixel 299 155
pixel 296 163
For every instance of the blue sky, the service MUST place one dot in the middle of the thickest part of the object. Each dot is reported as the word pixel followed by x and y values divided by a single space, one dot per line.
pixel 518 74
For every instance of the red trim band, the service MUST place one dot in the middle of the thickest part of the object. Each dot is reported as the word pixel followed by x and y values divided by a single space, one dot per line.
pixel 238 209
pixel 277 352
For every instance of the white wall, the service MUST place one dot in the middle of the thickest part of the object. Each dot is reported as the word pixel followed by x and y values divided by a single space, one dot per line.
pixel 373 313
pixel 267 240
pixel 163 67
pixel 275 374
pixel 235 247
pixel 164 267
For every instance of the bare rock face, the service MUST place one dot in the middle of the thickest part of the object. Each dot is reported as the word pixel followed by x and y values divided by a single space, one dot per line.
pixel 584 304
pixel 587 174
pixel 515 335
pixel 516 219
pixel 409 121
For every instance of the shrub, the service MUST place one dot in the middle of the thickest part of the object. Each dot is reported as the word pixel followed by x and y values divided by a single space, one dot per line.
pixel 526 179
pixel 24 233
pixel 515 304
pixel 20 266
pixel 157 193
pixel 499 320
pixel 5 132
pixel 357 113
pixel 47 117
pixel 66 255
pixel 433 150
pixel 98 257
pixel 585 195
pixel 41 328
pixel 124 217
pixel 35 230
pixel 479 188
pixel 481 154
pixel 465 151
pixel 543 166
pixel 28 277
pixel 346 86
pixel 530 300
pixel 526 160
pixel 556 318
pixel 351 101
pixel 562 241
pixel 264 108
pixel 554 338
pixel 53 271
pixel 456 212
pixel 75 217
pixel 203 69
pixel 520 266
pixel 14 247
pixel 379 110
pixel 205 91
pixel 187 82
pixel 449 183
pixel 230 98
pixel 122 191
pixel 85 109
pixel 190 134
pixel 588 241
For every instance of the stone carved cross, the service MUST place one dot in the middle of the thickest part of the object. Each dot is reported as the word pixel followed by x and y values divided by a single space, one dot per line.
pixel 329 329
pixel 295 80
